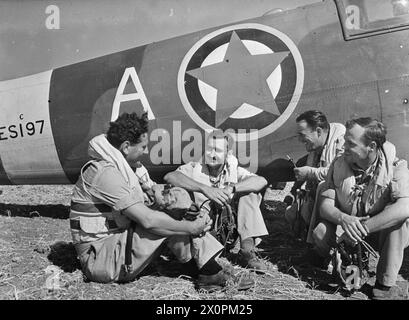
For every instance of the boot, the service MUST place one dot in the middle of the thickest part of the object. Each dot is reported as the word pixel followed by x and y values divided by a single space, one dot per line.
pixel 249 259
pixel 218 281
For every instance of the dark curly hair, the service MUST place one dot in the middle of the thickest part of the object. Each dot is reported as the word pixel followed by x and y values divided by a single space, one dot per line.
pixel 128 127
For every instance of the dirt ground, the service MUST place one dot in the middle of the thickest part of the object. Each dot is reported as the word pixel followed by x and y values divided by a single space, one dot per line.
pixel 38 262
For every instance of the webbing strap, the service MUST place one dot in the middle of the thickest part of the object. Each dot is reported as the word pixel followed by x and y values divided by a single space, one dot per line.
pixel 128 248
pixel 75 224
pixel 90 207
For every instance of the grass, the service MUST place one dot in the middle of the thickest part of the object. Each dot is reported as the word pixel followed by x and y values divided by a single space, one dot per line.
pixel 35 239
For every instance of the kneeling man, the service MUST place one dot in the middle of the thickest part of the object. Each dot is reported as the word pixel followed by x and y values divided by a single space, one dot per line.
pixel 367 197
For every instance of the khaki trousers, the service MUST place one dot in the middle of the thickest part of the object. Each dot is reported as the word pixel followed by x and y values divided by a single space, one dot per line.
pixel 104 260
pixel 314 217
pixel 250 222
pixel 390 243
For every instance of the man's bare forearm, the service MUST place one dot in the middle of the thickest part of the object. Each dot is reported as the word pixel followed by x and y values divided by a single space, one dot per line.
pixel 251 184
pixel 330 212
pixel 179 179
pixel 157 222
pixel 319 174
pixel 174 228
pixel 394 214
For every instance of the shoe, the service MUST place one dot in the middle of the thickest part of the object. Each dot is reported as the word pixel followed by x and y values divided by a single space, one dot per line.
pixel 212 282
pixel 392 294
pixel 389 293
pixel 218 281
pixel 312 259
pixel 249 259
pixel 244 282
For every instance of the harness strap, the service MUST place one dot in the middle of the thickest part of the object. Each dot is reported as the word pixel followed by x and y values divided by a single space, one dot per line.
pixel 128 248
pixel 90 207
pixel 75 224
pixel 84 167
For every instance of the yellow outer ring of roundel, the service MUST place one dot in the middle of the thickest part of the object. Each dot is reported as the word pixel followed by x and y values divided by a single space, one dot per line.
pixel 253 135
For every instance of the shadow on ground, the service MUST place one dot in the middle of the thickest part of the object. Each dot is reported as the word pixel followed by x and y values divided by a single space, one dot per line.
pixel 280 247
pixel 63 255
pixel 283 249
pixel 58 211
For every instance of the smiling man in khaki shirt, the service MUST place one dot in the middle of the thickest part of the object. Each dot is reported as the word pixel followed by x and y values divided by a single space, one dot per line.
pixel 367 197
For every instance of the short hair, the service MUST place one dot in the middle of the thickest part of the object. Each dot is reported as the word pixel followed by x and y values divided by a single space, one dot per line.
pixel 128 127
pixel 374 130
pixel 315 119
pixel 219 134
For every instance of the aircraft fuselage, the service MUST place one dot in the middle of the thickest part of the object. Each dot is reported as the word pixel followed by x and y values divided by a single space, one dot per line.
pixel 253 77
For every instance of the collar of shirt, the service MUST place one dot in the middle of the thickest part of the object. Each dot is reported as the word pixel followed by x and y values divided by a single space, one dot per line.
pixel 320 153
pixel 334 132
pixel 364 176
pixel 218 180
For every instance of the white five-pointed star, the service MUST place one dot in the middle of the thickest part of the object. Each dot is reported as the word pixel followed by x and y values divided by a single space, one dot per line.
pixel 241 78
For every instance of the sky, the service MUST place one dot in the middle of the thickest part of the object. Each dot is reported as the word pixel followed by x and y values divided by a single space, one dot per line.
pixel 39 35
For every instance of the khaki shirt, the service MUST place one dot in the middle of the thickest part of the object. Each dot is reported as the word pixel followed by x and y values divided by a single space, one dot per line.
pixel 103 185
pixel 389 182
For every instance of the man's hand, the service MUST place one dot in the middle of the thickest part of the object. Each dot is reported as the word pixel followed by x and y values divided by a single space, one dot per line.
pixel 220 196
pixel 353 228
pixel 228 191
pixel 201 225
pixel 301 173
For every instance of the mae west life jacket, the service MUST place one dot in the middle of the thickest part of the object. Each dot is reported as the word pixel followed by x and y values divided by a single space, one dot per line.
pixel 90 218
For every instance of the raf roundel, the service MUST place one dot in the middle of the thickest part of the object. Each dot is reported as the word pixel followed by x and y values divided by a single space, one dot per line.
pixel 247 76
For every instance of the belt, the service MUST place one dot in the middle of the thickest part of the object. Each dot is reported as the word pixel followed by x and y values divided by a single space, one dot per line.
pixel 75 224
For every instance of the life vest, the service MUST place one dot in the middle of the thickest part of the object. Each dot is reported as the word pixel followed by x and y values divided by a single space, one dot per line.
pixel 90 218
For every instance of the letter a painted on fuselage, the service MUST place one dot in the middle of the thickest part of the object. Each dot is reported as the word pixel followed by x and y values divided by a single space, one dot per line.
pixel 138 95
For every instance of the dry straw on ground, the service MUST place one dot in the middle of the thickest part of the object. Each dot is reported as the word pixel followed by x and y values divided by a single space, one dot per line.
pixel 34 236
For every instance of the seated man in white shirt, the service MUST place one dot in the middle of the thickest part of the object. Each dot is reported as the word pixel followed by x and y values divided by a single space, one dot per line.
pixel 219 178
